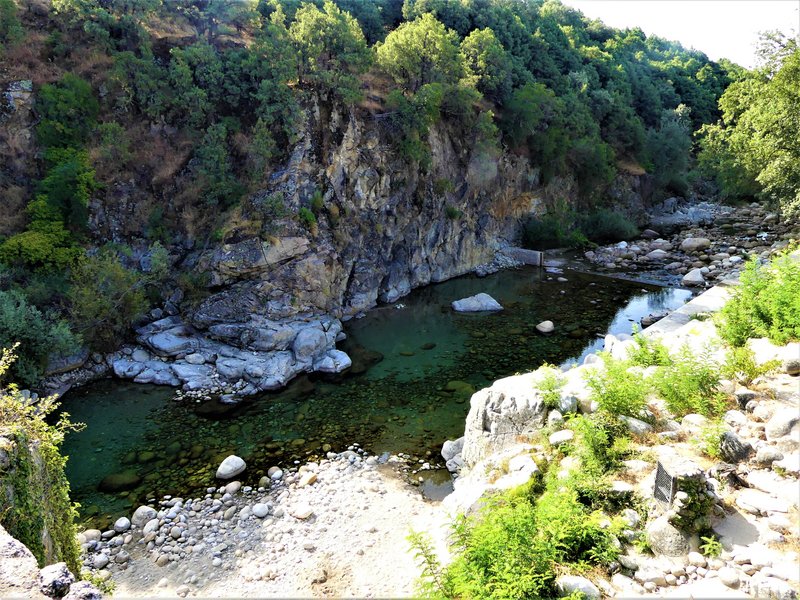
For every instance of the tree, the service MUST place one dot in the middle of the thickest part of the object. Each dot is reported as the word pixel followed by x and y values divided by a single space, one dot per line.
pixel 68 111
pixel 487 64
pixel 421 52
pixel 332 50
pixel 39 336
pixel 669 147
pixel 68 187
pixel 11 30
pixel 105 298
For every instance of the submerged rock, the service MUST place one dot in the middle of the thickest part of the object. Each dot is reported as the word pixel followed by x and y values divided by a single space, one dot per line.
pixel 119 482
pixel 477 303
pixel 545 327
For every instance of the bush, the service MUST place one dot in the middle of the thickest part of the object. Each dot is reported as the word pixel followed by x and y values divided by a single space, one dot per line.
pixel 307 218
pixel 452 212
pixel 616 390
pixel 105 299
pixel 549 382
pixel 767 304
pixel 741 366
pixel 648 352
pixel 40 491
pixel 68 110
pixel 689 384
pixel 604 225
pixel 38 335
pixel 551 231
pixel 708 441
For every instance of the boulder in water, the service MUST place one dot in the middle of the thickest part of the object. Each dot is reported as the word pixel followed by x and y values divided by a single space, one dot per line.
pixel 477 303
pixel 119 482
pixel 545 327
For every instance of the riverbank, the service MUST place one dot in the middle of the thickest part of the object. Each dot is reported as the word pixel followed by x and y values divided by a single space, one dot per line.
pixel 338 527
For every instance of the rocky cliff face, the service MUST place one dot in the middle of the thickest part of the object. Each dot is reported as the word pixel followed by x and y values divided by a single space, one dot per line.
pixel 382 227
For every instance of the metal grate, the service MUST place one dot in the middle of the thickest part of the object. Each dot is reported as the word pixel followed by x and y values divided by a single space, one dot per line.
pixel 664 490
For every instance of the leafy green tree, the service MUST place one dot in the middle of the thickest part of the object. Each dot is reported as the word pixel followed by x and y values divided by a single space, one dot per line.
pixel 68 186
pixel 11 30
pixel 68 111
pixel 39 335
pixel 332 50
pixel 454 14
pixel 669 147
pixel 420 52
pixel 487 64
pixel 105 298
pixel 214 170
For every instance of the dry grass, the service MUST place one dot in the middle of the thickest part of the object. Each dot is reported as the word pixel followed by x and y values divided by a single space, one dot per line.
pixel 630 167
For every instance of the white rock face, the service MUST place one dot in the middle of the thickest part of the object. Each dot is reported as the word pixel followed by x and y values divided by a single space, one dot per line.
pixel 477 303
pixel 231 467
pixel 498 414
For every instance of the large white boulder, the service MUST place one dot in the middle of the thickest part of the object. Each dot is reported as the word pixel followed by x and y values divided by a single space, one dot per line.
pixel 231 467
pixel 477 303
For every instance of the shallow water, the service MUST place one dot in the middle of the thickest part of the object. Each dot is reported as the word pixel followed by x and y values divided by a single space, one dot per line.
pixel 430 360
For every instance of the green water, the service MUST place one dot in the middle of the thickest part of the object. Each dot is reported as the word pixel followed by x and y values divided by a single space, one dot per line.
pixel 398 399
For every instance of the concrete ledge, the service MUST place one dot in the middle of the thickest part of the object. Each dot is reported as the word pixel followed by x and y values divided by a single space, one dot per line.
pixel 710 301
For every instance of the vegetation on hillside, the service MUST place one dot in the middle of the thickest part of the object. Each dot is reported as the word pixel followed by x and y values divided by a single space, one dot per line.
pixel 176 111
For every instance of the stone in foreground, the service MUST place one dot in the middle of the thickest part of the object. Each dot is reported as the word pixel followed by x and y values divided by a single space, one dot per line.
pixel 545 327
pixel 231 467
pixel 694 277
pixel 477 303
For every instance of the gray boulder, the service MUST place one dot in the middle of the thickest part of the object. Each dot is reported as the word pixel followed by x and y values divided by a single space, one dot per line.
pixel 733 449
pixel 667 540
pixel 172 342
pixel 231 467
pixel 334 361
pixel 694 277
pixel 762 586
pixel 83 590
pixel 477 303
pixel 693 244
pixel 499 414
pixel 782 423
pixel 309 343
pixel 55 580
pixel 452 448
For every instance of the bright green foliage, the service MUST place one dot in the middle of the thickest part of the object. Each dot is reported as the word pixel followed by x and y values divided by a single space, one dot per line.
pixel 649 352
pixel 412 117
pixel 40 489
pixel 668 148
pixel 755 150
pixel 307 218
pixel 105 298
pixel 549 382
pixel 711 546
pixel 214 170
pixel 11 30
pixel 68 110
pixel 39 336
pixel 767 304
pixel 604 225
pixel 741 366
pixel 594 445
pixel 68 186
pixel 421 52
pixel 709 439
pixel 487 65
pixel 615 389
pixel 689 384
pixel 332 50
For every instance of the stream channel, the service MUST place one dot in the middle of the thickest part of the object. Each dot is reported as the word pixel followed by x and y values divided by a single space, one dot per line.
pixel 415 365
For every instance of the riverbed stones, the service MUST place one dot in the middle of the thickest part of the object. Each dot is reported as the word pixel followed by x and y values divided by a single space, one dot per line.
pixel 733 449
pixel 545 327
pixel 260 510
pixel 477 303
pixel 119 482
pixel 122 524
pixel 561 437
pixel 55 580
pixel 781 423
pixel 231 467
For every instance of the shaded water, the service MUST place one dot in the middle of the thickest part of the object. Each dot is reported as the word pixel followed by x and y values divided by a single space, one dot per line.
pixel 416 364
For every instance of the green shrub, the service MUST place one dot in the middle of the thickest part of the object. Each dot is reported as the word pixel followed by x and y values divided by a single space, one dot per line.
pixel 317 203
pixel 307 218
pixel 615 389
pixel 648 352
pixel 767 304
pixel 452 212
pixel 741 366
pixel 39 336
pixel 689 384
pixel 41 492
pixel 68 110
pixel 604 225
pixel 105 299
pixel 551 231
pixel 11 30
pixel 549 382
pixel 707 442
